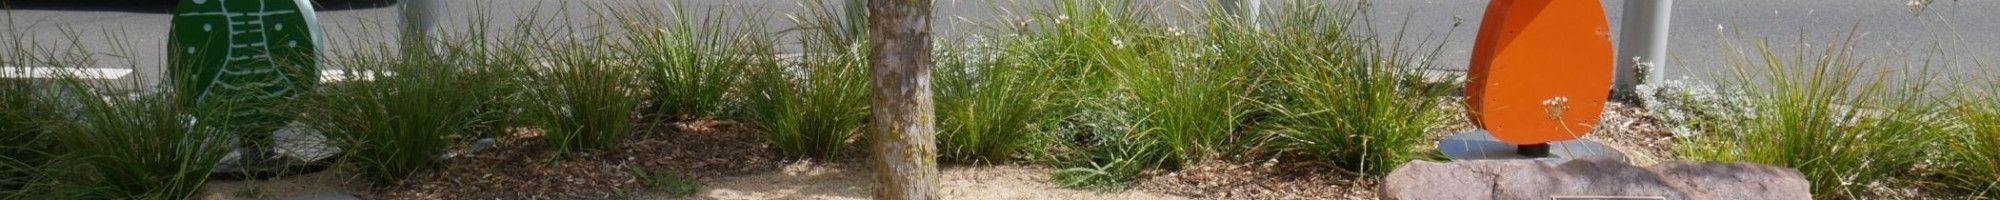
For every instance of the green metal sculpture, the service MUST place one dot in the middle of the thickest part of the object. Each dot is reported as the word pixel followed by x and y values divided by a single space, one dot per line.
pixel 246 56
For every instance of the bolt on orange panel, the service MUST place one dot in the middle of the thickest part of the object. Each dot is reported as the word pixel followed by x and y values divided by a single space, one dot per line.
pixel 1541 70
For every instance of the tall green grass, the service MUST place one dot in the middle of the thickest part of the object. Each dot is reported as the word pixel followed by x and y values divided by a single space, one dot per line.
pixel 1181 97
pixel 1194 105
pixel 1362 105
pixel 400 112
pixel 1975 151
pixel 587 99
pixel 994 104
pixel 126 146
pixel 20 136
pixel 696 59
pixel 1819 112
pixel 31 105
pixel 91 139
pixel 23 141
pixel 812 104
pixel 1082 40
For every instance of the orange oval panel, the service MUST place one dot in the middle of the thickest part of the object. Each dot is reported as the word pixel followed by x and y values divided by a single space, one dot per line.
pixel 1540 70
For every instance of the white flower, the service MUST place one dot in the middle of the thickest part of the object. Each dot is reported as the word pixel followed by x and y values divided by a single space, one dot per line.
pixel 1556 106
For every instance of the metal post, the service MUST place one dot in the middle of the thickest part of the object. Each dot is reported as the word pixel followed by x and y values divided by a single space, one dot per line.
pixel 420 22
pixel 1246 9
pixel 1642 41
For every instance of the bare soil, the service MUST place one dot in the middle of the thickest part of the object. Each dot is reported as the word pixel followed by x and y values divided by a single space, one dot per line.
pixel 1270 179
pixel 807 180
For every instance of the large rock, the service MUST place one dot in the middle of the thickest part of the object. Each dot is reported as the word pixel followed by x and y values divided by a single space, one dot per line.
pixel 1541 180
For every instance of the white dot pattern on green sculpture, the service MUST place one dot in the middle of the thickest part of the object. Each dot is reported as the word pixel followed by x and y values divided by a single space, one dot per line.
pixel 230 56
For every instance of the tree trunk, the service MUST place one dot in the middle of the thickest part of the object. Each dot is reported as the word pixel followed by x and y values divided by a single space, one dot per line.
pixel 905 152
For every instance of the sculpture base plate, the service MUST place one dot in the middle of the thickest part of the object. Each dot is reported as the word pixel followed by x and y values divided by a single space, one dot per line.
pixel 1481 145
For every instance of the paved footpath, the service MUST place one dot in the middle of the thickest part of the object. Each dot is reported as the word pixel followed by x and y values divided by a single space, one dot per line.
pixel 1885 27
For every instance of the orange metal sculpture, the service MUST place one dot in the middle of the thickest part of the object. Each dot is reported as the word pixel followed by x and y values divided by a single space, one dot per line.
pixel 1541 70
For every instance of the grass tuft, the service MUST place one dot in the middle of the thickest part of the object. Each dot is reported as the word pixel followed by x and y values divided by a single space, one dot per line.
pixel 1817 112
pixel 1171 97
pixel 403 111
pixel 1349 101
pixel 22 139
pixel 673 183
pixel 695 60
pixel 993 103
pixel 122 146
pixel 1975 151
pixel 587 100
pixel 813 104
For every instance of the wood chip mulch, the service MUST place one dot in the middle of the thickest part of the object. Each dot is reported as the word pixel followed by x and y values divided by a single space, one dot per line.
pixel 1636 131
pixel 524 167
pixel 1629 127
pixel 1271 179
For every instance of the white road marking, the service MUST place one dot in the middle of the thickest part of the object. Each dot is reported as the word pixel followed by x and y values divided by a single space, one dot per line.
pixel 55 72
pixel 335 75
pixel 11 72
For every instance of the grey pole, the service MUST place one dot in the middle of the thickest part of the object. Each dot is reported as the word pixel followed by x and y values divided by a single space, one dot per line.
pixel 420 22
pixel 1642 46
pixel 1247 9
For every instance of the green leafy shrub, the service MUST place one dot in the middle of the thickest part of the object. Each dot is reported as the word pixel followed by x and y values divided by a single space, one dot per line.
pixel 1099 151
pixel 812 104
pixel 1817 112
pixel 1110 165
pixel 695 60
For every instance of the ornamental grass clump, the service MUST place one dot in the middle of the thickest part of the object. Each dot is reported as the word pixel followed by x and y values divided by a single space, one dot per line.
pixel 1177 97
pixel 588 99
pixel 813 103
pixel 30 106
pixel 397 114
pixel 1975 150
pixel 1349 100
pixel 993 104
pixel 124 146
pixel 96 139
pixel 1078 39
pixel 1818 112
pixel 24 143
pixel 694 59
pixel 22 139
pixel 1189 97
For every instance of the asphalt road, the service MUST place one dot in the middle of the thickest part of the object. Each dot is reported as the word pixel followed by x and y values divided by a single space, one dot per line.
pixel 1886 30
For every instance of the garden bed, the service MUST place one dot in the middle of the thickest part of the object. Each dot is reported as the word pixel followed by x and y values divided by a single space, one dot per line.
pixel 732 160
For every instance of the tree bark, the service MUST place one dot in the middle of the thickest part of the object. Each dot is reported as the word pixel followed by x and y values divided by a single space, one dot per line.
pixel 905 152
